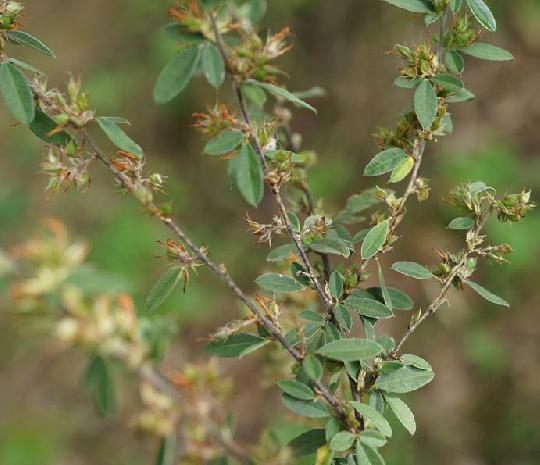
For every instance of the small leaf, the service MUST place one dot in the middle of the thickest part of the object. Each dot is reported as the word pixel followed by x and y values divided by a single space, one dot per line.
pixel 178 32
pixel 375 239
pixel 426 104
pixel 403 413
pixel 448 82
pixel 308 442
pixel 281 253
pixel 255 94
pixel 368 307
pixel 283 93
pixel 213 65
pixel 407 83
pixel 117 135
pixel 487 52
pixel 462 222
pixel 483 14
pixel 455 5
pixel 489 296
pixel 329 245
pixel 412 269
pixel 335 284
pixel 16 93
pixel 414 6
pixel 25 66
pixel 312 367
pixel 163 288
pixel 247 174
pixel 278 283
pixel 404 380
pixel 385 161
pixel 305 408
pixel 342 441
pixel 463 95
pixel 224 142
pixel 236 345
pixel 23 38
pixel 296 389
pixel 373 438
pixel 454 61
pixel 99 384
pixel 350 350
pixel 343 317
pixel 415 361
pixel 400 172
pixel 176 75
pixel 42 125
pixel 400 300
pixel 368 412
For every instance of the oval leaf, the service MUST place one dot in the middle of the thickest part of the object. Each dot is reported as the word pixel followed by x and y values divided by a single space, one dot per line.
pixel 404 380
pixel 412 269
pixel 224 142
pixel 483 14
pixel 487 52
pixel 342 441
pixel 304 408
pixel 403 413
pixel 247 174
pixel 368 307
pixel 426 104
pixel 385 161
pixel 414 6
pixel 236 345
pixel 42 125
pixel 213 65
pixel 308 442
pixel 462 222
pixel 283 93
pixel 117 135
pixel 489 296
pixel 350 350
pixel 374 240
pixel 296 389
pixel 176 75
pixel 369 413
pixel 16 93
pixel 163 288
pixel 276 282
pixel 23 38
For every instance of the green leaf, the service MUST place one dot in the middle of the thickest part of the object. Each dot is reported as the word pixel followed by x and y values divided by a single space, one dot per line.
pixel 163 288
pixel 16 93
pixel 400 172
pixel 448 82
pixel 176 75
pixel 361 455
pixel 483 14
pixel 296 389
pixel 247 174
pixel 331 245
pixel 487 52
pixel 225 142
pixel 412 269
pixel 236 345
pixel 42 125
pixel 342 441
pixel 426 104
pixel 368 307
pixel 350 350
pixel 407 83
pixel 343 317
pixel 374 417
pixel 213 65
pixel 374 457
pixel 403 413
pixel 22 65
pixel 99 384
pixel 281 253
pixel 117 135
pixel 255 94
pixel 404 380
pixel 454 61
pixel 307 442
pixel 335 284
pixel 415 361
pixel 305 408
pixel 312 367
pixel 400 300
pixel 375 239
pixel 178 32
pixel 276 282
pixel 463 95
pixel 455 5
pixel 462 222
pixel 23 38
pixel 166 451
pixel 489 296
pixel 385 161
pixel 283 93
pixel 373 438
pixel 414 6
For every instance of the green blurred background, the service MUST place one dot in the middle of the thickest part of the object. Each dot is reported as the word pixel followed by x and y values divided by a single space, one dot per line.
pixel 484 406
